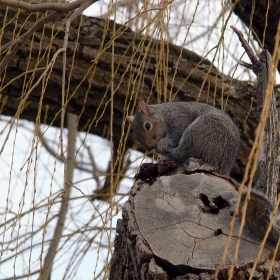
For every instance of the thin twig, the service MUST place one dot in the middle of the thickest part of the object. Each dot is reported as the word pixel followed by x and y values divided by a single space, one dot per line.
pixel 22 104
pixel 20 41
pixel 52 152
pixel 5 46
pixel 58 7
pixel 77 13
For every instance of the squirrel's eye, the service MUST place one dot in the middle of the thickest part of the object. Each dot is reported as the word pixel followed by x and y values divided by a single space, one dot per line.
pixel 147 126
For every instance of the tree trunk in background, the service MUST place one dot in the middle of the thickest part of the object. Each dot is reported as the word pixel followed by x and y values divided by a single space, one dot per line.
pixel 264 26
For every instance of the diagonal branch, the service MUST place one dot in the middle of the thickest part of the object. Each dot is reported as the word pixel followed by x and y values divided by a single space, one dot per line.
pixel 80 166
pixel 68 178
pixel 19 42
pixel 245 45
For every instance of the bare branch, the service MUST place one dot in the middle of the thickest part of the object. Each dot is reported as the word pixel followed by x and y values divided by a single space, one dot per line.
pixel 19 42
pixel 5 46
pixel 105 191
pixel 77 13
pixel 68 178
pixel 58 7
pixel 47 146
pixel 80 4
pixel 245 45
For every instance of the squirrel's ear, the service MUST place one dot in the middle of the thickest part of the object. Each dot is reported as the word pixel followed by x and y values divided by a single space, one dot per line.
pixel 130 119
pixel 145 108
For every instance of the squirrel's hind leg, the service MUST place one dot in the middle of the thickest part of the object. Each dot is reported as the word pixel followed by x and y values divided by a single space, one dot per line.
pixel 208 139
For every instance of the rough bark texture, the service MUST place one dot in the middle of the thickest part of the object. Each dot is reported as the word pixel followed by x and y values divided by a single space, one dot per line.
pixel 267 175
pixel 176 224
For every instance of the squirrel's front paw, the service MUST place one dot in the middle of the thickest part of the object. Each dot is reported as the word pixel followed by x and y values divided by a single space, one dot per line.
pixel 161 148
pixel 165 150
pixel 169 153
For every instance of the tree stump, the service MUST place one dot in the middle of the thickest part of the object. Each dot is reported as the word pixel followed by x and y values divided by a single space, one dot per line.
pixel 176 222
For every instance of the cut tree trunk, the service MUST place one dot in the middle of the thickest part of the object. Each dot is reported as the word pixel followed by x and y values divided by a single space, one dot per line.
pixel 176 225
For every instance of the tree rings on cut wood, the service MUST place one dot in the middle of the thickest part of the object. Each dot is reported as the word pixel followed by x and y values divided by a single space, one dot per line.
pixel 185 220
pixel 180 221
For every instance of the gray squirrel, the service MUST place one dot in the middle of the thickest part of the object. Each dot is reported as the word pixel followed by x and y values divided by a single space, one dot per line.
pixel 180 130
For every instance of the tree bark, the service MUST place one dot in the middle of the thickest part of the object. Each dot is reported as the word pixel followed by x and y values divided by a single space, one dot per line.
pixel 176 225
